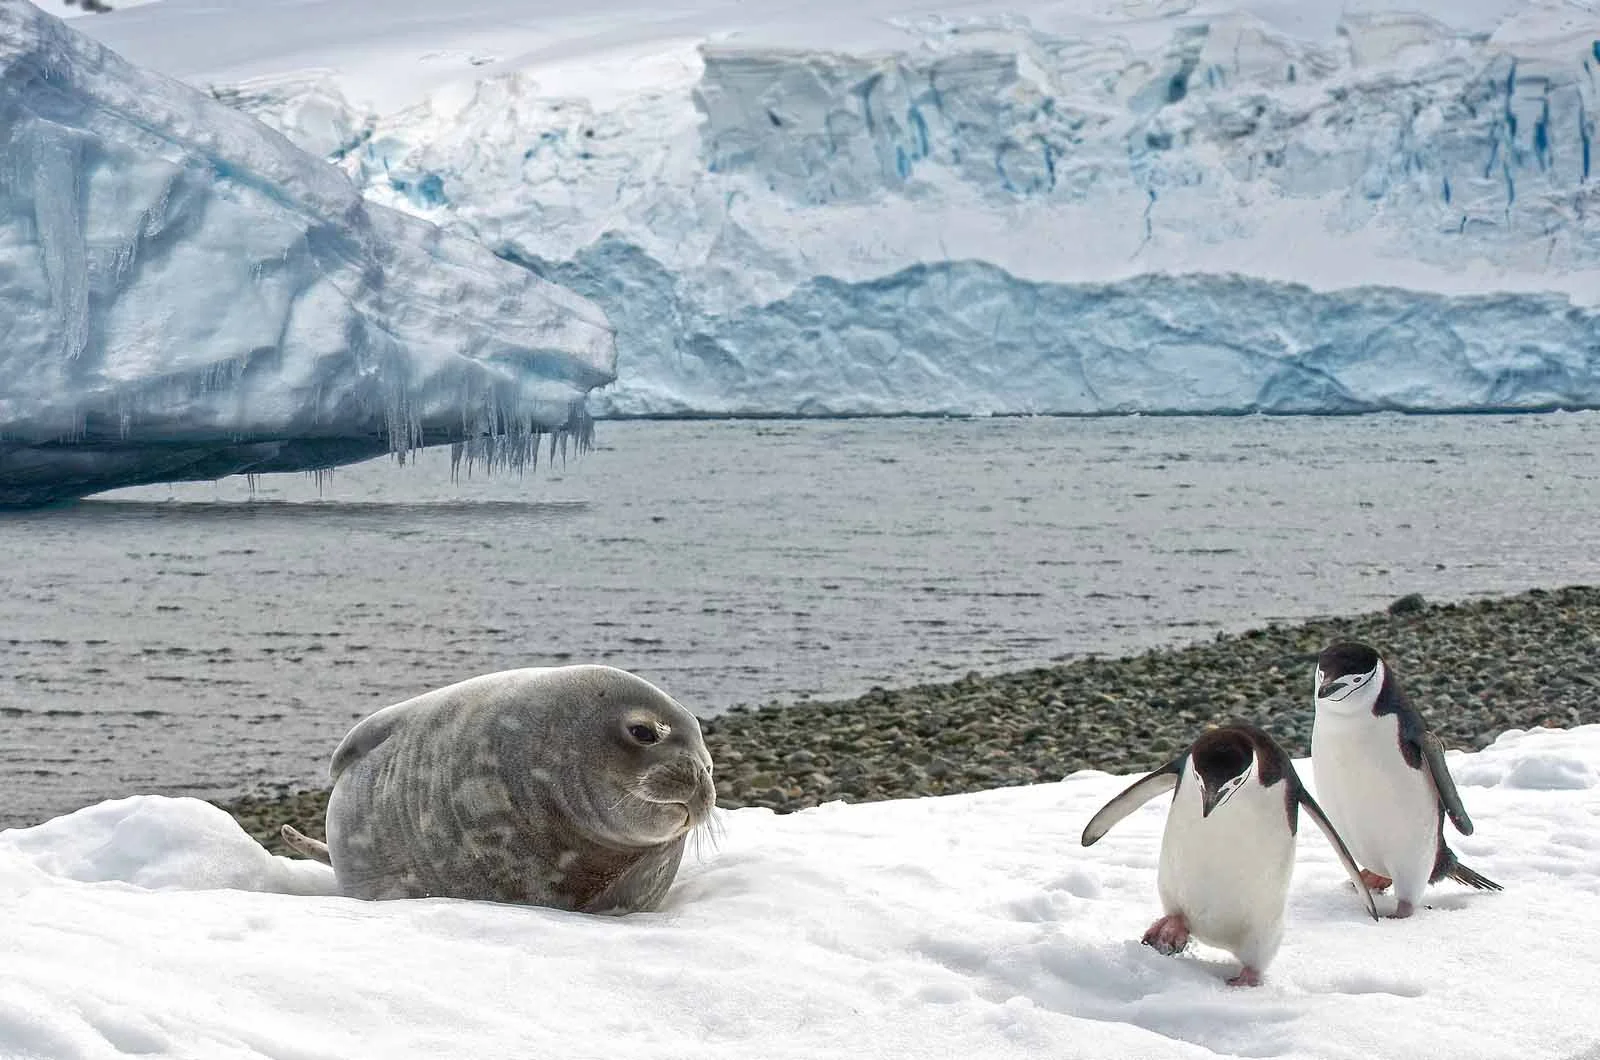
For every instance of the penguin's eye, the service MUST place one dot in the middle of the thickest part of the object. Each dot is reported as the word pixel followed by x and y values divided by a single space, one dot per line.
pixel 645 734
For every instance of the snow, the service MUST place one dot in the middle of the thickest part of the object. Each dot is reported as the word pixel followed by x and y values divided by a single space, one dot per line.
pixel 1001 206
pixel 189 295
pixel 972 925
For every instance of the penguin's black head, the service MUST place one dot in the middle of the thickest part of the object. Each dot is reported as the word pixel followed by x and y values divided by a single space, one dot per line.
pixel 1345 667
pixel 1223 761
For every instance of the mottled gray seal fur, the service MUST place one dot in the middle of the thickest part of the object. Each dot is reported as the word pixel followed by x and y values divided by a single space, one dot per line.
pixel 573 787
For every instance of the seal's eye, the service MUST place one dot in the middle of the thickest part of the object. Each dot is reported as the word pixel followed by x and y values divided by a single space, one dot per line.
pixel 646 734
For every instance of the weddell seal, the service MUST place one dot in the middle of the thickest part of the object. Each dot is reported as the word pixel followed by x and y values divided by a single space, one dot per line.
pixel 573 787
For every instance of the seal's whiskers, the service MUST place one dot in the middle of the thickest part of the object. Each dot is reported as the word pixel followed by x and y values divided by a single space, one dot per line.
pixel 631 791
pixel 709 833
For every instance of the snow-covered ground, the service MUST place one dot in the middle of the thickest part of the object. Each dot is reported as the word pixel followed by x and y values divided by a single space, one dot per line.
pixel 971 925
pixel 878 206
pixel 185 294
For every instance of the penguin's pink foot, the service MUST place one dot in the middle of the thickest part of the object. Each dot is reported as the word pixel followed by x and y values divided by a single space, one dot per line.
pixel 1375 882
pixel 1168 935
pixel 1247 976
pixel 1403 910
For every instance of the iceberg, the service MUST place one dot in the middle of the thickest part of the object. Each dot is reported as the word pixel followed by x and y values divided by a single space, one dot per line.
pixel 1002 208
pixel 189 295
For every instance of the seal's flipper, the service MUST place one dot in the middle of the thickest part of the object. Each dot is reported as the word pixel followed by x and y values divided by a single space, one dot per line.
pixel 1444 784
pixel 1134 796
pixel 1314 811
pixel 311 848
pixel 368 734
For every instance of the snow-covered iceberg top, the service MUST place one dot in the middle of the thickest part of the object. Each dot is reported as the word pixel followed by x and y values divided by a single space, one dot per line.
pixel 965 926
pixel 186 294
pixel 1011 206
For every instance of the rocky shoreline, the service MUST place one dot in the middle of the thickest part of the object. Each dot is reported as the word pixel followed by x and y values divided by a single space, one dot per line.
pixel 1475 669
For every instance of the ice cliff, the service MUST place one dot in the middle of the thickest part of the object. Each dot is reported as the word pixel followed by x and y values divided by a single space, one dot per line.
pixel 185 294
pixel 1184 209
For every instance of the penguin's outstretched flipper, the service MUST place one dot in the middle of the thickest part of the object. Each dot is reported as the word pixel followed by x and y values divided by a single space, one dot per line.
pixel 1314 811
pixel 1132 797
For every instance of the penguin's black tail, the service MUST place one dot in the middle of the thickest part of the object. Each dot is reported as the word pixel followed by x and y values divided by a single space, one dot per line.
pixel 1446 865
pixel 1461 874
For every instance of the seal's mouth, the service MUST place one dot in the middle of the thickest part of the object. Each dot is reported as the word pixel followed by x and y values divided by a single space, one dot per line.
pixel 698 806
pixel 704 800
pixel 694 794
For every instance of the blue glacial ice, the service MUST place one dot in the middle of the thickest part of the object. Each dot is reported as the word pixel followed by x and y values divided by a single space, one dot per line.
pixel 186 295
pixel 967 337
pixel 1198 213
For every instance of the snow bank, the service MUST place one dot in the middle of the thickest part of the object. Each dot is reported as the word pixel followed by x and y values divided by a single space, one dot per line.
pixel 189 295
pixel 158 843
pixel 969 925
pixel 1006 207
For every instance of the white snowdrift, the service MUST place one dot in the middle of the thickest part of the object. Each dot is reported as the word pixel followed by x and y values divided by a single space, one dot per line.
pixel 188 295
pixel 1013 207
pixel 963 926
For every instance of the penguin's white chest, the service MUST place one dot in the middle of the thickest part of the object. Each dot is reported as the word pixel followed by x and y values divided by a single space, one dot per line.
pixel 1385 810
pixel 1228 874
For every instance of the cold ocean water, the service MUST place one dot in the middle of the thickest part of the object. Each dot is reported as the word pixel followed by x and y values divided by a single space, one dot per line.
pixel 207 639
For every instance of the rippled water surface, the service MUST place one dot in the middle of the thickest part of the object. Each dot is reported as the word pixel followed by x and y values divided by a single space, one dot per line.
pixel 205 639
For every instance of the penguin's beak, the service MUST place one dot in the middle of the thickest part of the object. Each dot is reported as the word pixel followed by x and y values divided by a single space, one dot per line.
pixel 1338 687
pixel 1210 799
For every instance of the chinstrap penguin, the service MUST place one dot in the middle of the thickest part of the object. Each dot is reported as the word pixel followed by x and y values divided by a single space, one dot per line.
pixel 1382 776
pixel 1227 853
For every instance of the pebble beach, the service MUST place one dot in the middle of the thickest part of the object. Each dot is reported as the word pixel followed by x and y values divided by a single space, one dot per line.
pixel 1474 669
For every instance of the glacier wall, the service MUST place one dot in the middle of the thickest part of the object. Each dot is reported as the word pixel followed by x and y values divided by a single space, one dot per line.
pixel 1194 213
pixel 1472 146
pixel 187 295
pixel 967 337
pixel 747 189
